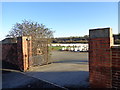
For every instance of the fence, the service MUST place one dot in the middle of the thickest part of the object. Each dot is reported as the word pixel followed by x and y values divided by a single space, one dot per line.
pixel 40 53
pixel 104 59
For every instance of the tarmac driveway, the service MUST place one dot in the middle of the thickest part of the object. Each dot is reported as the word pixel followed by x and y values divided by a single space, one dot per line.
pixel 12 79
pixel 69 69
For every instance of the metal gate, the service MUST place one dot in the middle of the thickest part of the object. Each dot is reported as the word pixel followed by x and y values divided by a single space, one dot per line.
pixel 40 52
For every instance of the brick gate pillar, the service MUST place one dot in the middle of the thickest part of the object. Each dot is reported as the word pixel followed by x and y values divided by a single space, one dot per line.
pixel 24 49
pixel 116 67
pixel 100 58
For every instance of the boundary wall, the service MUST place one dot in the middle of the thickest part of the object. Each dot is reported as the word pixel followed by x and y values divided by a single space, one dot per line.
pixel 104 59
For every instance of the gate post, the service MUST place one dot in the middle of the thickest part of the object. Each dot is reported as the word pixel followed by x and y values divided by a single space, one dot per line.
pixel 100 58
pixel 24 47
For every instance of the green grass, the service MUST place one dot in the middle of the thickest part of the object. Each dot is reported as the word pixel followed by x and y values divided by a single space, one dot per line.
pixel 55 47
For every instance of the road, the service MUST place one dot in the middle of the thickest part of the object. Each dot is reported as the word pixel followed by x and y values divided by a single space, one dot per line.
pixel 68 69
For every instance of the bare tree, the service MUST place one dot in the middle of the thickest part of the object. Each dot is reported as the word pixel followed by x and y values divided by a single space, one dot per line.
pixel 30 28
pixel 39 32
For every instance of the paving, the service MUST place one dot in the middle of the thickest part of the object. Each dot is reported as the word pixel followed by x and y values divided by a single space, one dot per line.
pixel 68 69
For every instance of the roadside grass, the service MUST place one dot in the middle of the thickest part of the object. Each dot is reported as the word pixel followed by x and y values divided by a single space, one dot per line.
pixel 55 47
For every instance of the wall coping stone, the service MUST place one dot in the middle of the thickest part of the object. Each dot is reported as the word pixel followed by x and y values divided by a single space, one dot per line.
pixel 115 46
pixel 100 33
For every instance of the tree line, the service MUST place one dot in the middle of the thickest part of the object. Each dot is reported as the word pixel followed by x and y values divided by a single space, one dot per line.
pixel 40 31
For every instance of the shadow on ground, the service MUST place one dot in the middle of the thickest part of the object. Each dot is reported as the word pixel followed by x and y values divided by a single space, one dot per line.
pixel 67 79
pixel 58 80
pixel 7 65
pixel 19 80
pixel 12 77
pixel 61 74
pixel 72 61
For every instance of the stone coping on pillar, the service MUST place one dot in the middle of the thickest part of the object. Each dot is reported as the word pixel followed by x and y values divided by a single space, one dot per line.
pixel 100 33
pixel 115 46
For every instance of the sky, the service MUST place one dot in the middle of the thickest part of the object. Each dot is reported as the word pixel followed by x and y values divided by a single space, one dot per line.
pixel 65 18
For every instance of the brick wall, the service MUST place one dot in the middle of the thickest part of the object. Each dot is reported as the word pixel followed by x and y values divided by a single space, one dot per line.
pixel 99 58
pixel 9 53
pixel 17 53
pixel 104 61
pixel 20 53
pixel 25 51
pixel 116 67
